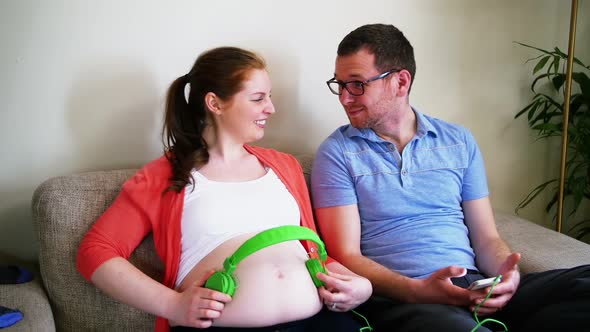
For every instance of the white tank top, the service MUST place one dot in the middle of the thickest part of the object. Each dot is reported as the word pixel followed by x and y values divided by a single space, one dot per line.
pixel 215 212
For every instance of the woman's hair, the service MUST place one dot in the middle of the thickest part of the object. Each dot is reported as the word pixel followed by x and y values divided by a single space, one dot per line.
pixel 221 71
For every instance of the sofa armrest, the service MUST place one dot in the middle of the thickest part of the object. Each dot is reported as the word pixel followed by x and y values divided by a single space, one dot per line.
pixel 30 299
pixel 541 248
pixel 64 208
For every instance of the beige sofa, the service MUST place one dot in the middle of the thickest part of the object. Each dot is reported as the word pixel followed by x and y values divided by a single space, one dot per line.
pixel 65 207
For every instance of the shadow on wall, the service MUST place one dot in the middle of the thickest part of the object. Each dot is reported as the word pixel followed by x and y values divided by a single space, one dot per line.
pixel 112 117
pixel 17 240
pixel 288 127
pixel 114 111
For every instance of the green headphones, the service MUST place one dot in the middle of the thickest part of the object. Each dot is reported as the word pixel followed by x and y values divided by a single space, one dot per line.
pixel 225 281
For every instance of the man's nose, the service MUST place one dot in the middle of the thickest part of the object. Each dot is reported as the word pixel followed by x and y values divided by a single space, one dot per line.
pixel 345 97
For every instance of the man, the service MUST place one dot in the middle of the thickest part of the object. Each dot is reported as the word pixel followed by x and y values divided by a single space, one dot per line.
pixel 402 199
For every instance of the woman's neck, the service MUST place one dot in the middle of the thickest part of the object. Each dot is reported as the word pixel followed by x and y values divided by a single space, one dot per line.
pixel 223 148
pixel 229 160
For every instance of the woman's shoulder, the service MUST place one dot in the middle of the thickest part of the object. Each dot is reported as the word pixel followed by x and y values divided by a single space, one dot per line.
pixel 271 154
pixel 156 174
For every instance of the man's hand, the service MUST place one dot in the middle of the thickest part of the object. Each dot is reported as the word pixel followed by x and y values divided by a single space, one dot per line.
pixel 503 291
pixel 439 289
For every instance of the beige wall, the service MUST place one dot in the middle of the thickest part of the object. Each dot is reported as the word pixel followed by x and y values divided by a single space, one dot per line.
pixel 82 82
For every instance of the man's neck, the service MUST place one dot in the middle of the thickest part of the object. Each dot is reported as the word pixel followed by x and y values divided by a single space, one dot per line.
pixel 399 128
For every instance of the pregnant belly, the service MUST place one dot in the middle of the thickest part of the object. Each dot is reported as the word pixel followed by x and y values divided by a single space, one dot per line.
pixel 274 285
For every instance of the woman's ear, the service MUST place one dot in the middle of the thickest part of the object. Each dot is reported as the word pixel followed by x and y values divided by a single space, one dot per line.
pixel 213 103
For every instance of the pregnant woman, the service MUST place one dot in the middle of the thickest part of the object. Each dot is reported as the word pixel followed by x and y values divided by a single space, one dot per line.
pixel 206 196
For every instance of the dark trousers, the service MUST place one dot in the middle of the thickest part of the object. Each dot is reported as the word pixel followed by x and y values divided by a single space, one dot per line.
pixel 556 300
pixel 325 320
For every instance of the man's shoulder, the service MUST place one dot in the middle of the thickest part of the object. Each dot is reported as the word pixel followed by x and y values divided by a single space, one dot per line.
pixel 341 132
pixel 337 138
pixel 445 128
pixel 345 134
pixel 444 124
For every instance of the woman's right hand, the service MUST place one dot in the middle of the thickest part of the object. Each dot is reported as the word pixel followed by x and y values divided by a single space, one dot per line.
pixel 198 306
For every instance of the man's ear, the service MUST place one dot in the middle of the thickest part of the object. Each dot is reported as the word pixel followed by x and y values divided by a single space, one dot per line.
pixel 213 103
pixel 404 83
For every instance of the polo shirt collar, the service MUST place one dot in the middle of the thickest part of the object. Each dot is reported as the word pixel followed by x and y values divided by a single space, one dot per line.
pixel 424 127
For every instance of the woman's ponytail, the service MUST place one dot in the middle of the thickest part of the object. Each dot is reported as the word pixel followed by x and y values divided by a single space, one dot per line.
pixel 221 71
pixel 183 133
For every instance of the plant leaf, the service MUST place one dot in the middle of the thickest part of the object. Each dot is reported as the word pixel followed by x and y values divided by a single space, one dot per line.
pixel 534 193
pixel 552 101
pixel 552 202
pixel 558 81
pixel 584 82
pixel 560 53
pixel 578 62
pixel 545 113
pixel 540 77
pixel 556 62
pixel 527 107
pixel 541 64
pixel 580 224
pixel 581 232
pixel 533 110
pixel 535 48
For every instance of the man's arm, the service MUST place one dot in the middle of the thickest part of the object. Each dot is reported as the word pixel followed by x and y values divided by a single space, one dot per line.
pixel 490 250
pixel 492 254
pixel 340 228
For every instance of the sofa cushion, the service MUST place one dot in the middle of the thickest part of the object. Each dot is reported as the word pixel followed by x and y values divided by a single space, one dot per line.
pixel 64 208
pixel 30 299
pixel 541 248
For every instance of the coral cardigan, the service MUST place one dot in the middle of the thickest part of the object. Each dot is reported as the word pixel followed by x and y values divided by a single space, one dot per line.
pixel 142 207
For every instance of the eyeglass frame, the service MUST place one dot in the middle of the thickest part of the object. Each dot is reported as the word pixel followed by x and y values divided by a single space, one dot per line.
pixel 343 84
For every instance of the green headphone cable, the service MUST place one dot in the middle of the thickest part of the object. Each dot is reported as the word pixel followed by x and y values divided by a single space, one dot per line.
pixel 365 328
pixel 482 302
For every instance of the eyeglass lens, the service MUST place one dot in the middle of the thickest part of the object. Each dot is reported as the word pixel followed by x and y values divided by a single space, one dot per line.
pixel 355 88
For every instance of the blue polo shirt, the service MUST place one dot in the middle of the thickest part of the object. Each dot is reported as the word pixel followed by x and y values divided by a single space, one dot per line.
pixel 409 203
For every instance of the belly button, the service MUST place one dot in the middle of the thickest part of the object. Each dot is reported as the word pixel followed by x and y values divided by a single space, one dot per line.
pixel 280 275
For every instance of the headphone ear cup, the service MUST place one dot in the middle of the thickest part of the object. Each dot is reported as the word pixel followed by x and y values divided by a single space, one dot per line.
pixel 314 266
pixel 223 282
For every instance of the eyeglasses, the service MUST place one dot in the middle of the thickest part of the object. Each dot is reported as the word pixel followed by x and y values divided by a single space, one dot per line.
pixel 355 88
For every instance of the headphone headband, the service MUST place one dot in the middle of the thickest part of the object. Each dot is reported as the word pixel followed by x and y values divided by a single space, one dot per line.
pixel 270 237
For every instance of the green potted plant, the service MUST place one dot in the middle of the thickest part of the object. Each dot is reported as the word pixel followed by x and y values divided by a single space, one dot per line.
pixel 545 116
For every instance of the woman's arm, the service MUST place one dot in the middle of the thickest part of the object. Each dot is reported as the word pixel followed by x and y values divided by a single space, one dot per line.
pixel 104 250
pixel 194 307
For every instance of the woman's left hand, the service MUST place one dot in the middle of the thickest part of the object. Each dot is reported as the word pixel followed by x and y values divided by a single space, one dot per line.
pixel 344 292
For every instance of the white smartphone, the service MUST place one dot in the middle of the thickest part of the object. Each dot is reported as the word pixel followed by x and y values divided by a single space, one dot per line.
pixel 483 283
